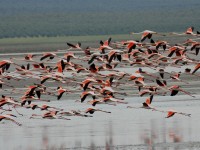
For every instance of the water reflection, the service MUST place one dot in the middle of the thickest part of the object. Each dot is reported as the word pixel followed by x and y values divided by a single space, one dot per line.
pixel 104 133
pixel 159 135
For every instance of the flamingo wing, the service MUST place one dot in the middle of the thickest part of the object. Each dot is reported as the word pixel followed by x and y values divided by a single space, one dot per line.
pixel 71 45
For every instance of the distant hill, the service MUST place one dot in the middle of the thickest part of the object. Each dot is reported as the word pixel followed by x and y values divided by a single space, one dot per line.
pixel 32 18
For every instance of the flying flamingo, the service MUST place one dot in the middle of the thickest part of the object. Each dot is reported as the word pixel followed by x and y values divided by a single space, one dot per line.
pixel 144 105
pixel 176 77
pixel 112 100
pixel 131 44
pixel 194 45
pixel 196 68
pixel 86 93
pixel 61 91
pixel 94 102
pixel 84 84
pixel 49 115
pixel 6 64
pixel 149 100
pixel 69 55
pixel 48 55
pixel 158 44
pixel 9 101
pixel 146 34
pixel 107 42
pixel 171 113
pixel 188 71
pixel 27 58
pixel 104 46
pixel 72 46
pixel 61 66
pixel 96 56
pixel 46 107
pixel 92 110
pixel 149 92
pixel 29 99
pixel 175 89
pixel 189 31
pixel 140 71
pixel 8 117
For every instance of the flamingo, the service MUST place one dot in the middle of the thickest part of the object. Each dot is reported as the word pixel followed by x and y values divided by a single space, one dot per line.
pixel 149 91
pixel 189 31
pixel 162 72
pixel 94 102
pixel 131 44
pixel 5 64
pixel 95 56
pixel 146 34
pixel 195 45
pixel 196 68
pixel 94 69
pixel 46 107
pixel 141 72
pixel 27 58
pixel 171 113
pixel 176 77
pixel 61 66
pixel 92 110
pixel 84 84
pixel 87 51
pixel 8 117
pixel 144 105
pixel 72 46
pixel 114 54
pixel 49 115
pixel 149 100
pixel 111 99
pixel 69 55
pixel 175 89
pixel 61 91
pixel 158 44
pixel 102 80
pixel 48 55
pixel 32 90
pixel 9 101
pixel 188 71
pixel 107 42
pixel 105 45
pixel 28 99
pixel 86 93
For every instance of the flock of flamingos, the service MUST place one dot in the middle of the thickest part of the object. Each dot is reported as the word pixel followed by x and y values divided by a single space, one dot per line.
pixel 87 71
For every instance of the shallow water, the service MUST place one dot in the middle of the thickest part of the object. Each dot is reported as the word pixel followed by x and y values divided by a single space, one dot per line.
pixel 123 127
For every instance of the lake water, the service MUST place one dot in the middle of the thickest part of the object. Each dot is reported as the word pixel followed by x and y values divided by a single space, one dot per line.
pixel 124 127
